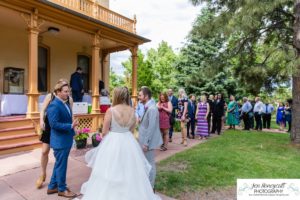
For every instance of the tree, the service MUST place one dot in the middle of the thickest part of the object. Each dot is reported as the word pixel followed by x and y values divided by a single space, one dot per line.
pixel 295 134
pixel 155 70
pixel 201 65
pixel 261 45
pixel 115 80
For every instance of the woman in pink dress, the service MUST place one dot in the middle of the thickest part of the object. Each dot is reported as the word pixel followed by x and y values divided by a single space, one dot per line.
pixel 165 109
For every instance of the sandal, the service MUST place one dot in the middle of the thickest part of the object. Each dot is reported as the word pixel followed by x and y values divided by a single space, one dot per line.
pixel 163 149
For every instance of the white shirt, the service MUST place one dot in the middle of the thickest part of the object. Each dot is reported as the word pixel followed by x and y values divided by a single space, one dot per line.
pixel 259 107
pixel 269 108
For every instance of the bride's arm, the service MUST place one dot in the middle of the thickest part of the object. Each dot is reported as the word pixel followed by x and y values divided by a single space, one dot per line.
pixel 106 122
pixel 134 123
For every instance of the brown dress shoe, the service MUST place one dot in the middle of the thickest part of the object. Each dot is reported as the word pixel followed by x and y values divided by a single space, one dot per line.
pixel 67 193
pixel 52 191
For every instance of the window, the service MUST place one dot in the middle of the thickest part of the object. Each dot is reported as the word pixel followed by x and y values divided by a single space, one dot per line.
pixel 84 62
pixel 43 69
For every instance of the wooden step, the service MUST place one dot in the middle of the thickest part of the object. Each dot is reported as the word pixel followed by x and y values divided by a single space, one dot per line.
pixel 24 146
pixel 16 131
pixel 16 139
pixel 17 122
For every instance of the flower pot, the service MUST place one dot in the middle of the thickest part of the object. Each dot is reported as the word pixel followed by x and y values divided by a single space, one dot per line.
pixel 95 142
pixel 96 139
pixel 80 144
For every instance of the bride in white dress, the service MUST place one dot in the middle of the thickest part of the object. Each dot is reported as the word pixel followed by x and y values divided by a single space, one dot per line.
pixel 119 168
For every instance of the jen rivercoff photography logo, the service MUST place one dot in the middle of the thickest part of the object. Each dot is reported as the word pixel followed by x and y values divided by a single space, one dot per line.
pixel 268 189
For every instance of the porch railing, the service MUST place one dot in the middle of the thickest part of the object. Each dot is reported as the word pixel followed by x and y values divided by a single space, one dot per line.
pixel 93 9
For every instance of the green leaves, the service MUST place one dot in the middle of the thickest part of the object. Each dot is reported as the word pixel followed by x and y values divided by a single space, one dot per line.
pixel 155 69
pixel 256 40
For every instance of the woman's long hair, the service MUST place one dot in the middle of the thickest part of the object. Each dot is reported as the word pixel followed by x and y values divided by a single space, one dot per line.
pixel 182 93
pixel 120 96
pixel 164 94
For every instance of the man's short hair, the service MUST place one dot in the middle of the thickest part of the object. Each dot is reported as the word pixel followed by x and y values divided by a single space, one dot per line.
pixel 78 69
pixel 146 91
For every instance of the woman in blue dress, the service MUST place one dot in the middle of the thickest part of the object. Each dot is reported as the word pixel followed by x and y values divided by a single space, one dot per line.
pixel 280 116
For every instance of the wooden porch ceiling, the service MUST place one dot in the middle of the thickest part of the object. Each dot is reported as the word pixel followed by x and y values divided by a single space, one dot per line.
pixel 68 18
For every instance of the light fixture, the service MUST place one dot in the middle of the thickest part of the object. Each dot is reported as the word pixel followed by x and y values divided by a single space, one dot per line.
pixel 53 30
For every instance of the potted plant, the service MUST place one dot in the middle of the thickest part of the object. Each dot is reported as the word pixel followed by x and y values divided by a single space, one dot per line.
pixel 81 138
pixel 96 139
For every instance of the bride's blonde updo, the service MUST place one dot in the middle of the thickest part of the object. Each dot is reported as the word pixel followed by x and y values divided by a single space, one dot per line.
pixel 121 96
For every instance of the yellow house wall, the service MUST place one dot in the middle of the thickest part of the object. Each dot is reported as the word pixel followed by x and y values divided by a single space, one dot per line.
pixel 63 55
pixel 63 58
pixel 13 52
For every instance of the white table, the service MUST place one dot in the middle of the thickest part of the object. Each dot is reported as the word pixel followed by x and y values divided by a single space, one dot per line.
pixel 15 104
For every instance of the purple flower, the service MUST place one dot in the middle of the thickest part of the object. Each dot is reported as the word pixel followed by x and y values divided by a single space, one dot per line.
pixel 98 138
pixel 85 130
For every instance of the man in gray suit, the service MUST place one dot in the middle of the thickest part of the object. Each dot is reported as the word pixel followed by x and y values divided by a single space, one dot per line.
pixel 149 132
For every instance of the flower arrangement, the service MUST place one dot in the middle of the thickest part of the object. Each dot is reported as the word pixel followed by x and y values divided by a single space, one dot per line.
pixel 96 139
pixel 82 134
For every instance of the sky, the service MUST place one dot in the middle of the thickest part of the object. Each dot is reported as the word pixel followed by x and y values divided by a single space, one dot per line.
pixel 157 20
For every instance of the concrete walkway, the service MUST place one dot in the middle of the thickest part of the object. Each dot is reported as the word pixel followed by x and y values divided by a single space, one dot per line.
pixel 18 172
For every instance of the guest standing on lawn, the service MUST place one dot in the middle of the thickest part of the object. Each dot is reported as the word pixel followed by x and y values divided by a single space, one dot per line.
pixel 288 114
pixel 232 113
pixel 218 114
pixel 202 114
pixel 182 114
pixel 280 116
pixel 165 110
pixel 192 108
pixel 174 102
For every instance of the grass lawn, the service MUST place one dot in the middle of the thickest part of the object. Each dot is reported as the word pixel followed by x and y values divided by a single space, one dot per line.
pixel 217 163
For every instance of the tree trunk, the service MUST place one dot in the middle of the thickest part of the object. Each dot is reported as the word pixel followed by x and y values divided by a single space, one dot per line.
pixel 295 131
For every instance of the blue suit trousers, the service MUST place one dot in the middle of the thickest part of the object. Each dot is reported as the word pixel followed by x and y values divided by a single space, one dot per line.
pixel 58 179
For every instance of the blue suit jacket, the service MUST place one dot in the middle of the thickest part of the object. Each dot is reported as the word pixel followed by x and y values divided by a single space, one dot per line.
pixel 174 102
pixel 191 110
pixel 76 82
pixel 60 121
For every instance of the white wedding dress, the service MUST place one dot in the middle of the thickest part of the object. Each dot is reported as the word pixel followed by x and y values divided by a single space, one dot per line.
pixel 119 167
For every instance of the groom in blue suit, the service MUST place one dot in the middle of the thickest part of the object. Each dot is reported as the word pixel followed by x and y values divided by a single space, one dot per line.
pixel 62 131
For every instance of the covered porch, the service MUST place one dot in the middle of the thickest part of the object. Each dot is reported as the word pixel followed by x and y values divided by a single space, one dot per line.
pixel 48 40
pixel 45 40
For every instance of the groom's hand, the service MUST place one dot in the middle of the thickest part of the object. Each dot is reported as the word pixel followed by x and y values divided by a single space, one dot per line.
pixel 145 148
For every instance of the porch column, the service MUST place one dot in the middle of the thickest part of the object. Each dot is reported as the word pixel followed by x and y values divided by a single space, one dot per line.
pixel 33 23
pixel 95 73
pixel 106 70
pixel 134 57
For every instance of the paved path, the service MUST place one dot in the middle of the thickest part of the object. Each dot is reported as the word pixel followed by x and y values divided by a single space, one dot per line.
pixel 18 172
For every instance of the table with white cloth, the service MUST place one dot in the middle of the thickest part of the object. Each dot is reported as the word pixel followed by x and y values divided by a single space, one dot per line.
pixel 15 104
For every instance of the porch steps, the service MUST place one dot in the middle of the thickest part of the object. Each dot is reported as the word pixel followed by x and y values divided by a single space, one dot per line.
pixel 17 134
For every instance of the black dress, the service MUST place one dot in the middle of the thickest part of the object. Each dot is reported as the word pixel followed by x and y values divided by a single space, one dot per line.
pixel 45 138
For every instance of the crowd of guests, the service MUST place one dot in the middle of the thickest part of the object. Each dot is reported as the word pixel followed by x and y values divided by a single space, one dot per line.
pixel 198 118
pixel 261 113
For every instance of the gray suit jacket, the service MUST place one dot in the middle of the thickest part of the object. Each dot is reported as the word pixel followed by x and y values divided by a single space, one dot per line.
pixel 149 131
